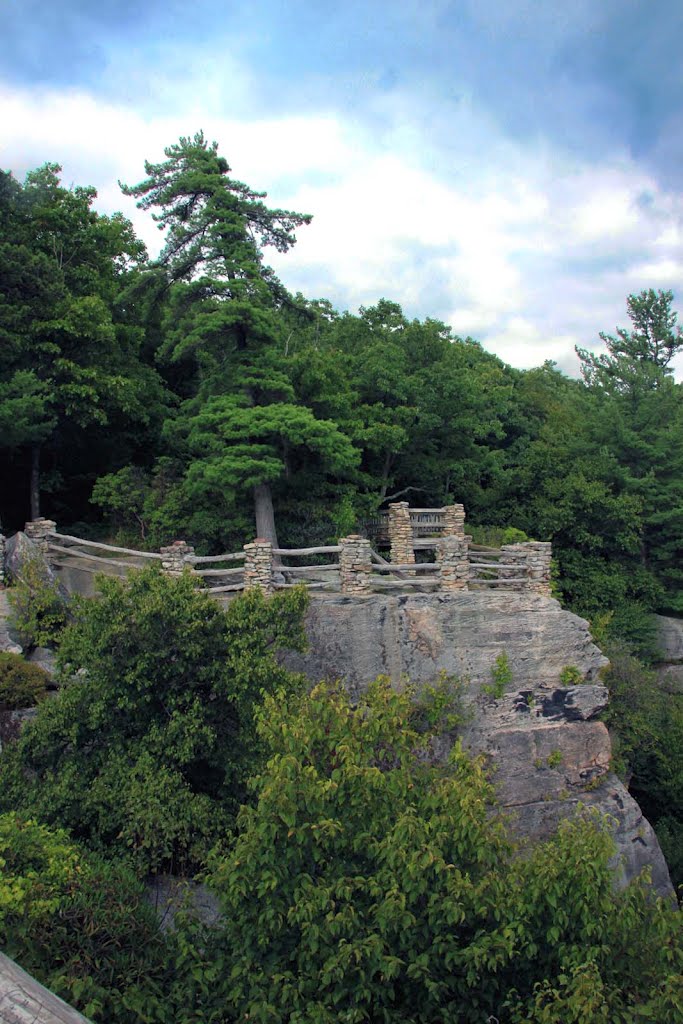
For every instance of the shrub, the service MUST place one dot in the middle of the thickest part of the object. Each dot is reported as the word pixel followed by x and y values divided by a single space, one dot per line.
pixel 501 674
pixel 147 753
pixel 22 685
pixel 368 884
pixel 39 612
pixel 571 675
pixel 81 926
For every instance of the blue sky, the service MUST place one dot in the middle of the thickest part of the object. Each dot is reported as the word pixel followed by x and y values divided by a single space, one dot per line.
pixel 513 168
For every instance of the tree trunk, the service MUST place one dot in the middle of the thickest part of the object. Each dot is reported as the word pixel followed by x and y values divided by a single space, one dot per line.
pixel 35 482
pixel 265 515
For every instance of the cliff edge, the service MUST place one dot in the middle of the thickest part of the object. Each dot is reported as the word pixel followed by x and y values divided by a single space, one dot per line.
pixel 547 750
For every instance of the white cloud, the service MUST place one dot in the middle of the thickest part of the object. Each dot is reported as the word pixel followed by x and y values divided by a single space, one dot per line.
pixel 525 249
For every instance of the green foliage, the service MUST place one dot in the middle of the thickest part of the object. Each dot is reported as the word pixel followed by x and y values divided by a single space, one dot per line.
pixel 146 751
pixel 570 675
pixel 39 611
pixel 496 536
pixel 22 685
pixel 554 759
pixel 439 707
pixel 81 926
pixel 646 724
pixel 368 883
pixel 501 675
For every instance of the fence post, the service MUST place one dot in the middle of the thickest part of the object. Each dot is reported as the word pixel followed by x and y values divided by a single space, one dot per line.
pixel 355 565
pixel 539 555
pixel 39 530
pixel 174 557
pixel 400 533
pixel 453 518
pixel 454 567
pixel 514 566
pixel 258 565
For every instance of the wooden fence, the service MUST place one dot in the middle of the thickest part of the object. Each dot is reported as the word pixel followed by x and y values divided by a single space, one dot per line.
pixel 353 566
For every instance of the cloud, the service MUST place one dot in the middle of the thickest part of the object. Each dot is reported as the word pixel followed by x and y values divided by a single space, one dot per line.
pixel 527 247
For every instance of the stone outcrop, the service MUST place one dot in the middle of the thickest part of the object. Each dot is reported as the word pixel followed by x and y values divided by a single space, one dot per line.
pixel 417 636
pixel 546 750
pixel 670 645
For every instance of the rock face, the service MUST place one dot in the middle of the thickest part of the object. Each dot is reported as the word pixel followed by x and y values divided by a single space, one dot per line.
pixel 420 635
pixel 547 752
pixel 670 644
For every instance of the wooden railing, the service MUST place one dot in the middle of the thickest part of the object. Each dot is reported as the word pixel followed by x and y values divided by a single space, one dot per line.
pixel 66 551
pixel 426 522
pixel 351 567
pixel 219 580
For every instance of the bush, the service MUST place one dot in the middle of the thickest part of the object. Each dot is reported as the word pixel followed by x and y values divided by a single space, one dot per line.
pixel 369 884
pixel 147 752
pixel 571 676
pixel 39 612
pixel 81 926
pixel 22 685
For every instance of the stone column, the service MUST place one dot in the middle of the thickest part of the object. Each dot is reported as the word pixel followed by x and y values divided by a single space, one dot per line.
pixel 258 565
pixel 400 533
pixel 539 555
pixel 453 517
pixel 514 566
pixel 453 556
pixel 39 530
pixel 355 565
pixel 174 558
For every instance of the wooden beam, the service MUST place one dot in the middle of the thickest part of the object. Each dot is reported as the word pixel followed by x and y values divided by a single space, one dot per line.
pixel 23 1000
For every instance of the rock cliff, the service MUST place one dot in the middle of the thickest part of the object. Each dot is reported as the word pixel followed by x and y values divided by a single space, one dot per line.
pixel 547 751
pixel 670 644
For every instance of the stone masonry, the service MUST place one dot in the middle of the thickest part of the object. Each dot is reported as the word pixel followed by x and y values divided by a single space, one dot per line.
pixel 452 555
pixel 174 558
pixel 258 565
pixel 39 531
pixel 401 533
pixel 355 565
pixel 529 561
pixel 538 560
pixel 453 518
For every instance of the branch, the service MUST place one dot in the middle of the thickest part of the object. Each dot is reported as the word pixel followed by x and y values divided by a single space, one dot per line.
pixel 391 497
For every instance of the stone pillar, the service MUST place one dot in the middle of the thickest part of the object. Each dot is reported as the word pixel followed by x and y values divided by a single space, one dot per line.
pixel 174 558
pixel 39 530
pixel 453 556
pixel 355 565
pixel 453 517
pixel 258 565
pixel 514 566
pixel 400 533
pixel 539 555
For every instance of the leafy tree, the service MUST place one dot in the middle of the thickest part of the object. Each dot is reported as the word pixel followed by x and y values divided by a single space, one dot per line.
pixel 70 359
pixel 147 746
pixel 638 418
pixel 368 882
pixel 223 325
pixel 636 361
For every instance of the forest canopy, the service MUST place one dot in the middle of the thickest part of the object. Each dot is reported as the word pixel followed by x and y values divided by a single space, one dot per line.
pixel 193 395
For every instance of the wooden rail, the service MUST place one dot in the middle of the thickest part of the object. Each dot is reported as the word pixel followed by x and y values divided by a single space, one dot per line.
pixel 23 1000
pixel 78 541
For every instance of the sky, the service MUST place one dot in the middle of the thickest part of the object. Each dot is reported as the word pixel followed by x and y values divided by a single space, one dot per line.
pixel 511 167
